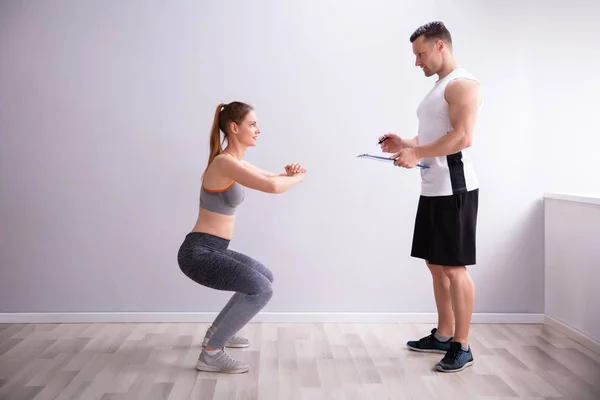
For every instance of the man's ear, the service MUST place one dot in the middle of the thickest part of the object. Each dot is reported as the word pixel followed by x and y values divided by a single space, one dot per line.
pixel 440 45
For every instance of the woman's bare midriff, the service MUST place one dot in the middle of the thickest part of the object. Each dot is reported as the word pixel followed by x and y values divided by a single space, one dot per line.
pixel 215 224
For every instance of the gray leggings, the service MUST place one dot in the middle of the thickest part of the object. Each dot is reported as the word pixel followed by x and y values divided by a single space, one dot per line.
pixel 205 259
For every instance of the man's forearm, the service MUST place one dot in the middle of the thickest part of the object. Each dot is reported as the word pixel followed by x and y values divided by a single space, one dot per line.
pixel 413 142
pixel 452 142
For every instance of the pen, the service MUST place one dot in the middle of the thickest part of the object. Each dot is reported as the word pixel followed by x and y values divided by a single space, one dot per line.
pixel 383 140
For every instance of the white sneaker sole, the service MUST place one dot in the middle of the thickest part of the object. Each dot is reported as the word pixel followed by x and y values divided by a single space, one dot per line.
pixel 438 368
pixel 237 345
pixel 232 345
pixel 427 350
pixel 200 366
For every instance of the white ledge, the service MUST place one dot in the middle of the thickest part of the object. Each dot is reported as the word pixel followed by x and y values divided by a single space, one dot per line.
pixel 577 198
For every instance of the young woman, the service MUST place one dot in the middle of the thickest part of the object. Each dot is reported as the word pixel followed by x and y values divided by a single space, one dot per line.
pixel 204 255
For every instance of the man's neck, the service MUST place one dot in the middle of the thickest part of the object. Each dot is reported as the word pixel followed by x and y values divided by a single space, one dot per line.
pixel 449 66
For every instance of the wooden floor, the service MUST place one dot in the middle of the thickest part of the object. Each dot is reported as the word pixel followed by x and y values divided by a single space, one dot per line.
pixel 288 361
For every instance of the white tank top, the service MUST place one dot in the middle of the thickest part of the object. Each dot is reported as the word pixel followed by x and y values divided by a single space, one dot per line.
pixel 450 174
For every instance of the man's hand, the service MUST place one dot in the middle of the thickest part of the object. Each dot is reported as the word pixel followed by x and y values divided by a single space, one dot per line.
pixel 392 143
pixel 293 169
pixel 407 158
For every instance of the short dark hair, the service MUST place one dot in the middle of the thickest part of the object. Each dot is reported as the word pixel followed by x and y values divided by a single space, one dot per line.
pixel 433 30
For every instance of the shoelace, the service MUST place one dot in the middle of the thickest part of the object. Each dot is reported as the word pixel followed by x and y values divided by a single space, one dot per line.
pixel 452 355
pixel 229 361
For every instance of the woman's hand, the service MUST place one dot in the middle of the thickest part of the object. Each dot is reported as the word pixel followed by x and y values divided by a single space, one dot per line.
pixel 294 169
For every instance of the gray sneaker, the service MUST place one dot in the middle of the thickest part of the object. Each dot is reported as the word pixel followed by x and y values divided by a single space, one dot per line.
pixel 235 341
pixel 220 362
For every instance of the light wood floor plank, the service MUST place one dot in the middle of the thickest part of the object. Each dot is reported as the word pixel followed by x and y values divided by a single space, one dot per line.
pixel 288 361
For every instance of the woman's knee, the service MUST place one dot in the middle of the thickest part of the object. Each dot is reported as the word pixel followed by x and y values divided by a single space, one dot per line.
pixel 252 263
pixel 267 292
pixel 267 273
pixel 262 295
pixel 263 270
pixel 259 285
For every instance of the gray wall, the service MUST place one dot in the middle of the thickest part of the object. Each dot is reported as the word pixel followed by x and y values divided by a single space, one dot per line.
pixel 105 111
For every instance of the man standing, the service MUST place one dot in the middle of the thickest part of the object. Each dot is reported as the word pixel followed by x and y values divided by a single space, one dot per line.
pixel 446 218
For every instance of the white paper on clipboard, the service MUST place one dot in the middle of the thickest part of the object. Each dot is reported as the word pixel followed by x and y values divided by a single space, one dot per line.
pixel 384 159
pixel 376 158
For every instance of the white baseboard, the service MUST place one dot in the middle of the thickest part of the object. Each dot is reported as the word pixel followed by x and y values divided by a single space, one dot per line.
pixel 573 333
pixel 272 317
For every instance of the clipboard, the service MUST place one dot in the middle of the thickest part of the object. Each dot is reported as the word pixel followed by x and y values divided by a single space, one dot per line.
pixel 383 159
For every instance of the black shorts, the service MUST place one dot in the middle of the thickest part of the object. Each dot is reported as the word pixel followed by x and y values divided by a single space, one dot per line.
pixel 445 229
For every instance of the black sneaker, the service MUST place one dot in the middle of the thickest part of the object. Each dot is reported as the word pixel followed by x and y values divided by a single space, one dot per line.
pixel 456 359
pixel 429 344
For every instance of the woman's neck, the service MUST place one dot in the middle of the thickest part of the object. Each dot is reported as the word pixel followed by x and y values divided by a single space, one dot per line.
pixel 237 151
